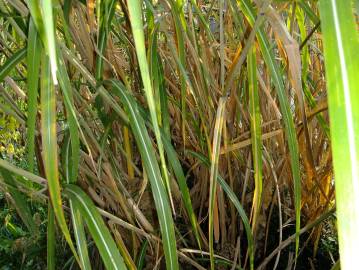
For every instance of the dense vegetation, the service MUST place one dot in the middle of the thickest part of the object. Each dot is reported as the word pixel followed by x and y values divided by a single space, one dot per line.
pixel 171 134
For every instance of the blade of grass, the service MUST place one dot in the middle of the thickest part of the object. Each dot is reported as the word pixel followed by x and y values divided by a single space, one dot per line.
pixel 142 255
pixel 157 75
pixel 49 145
pixel 11 63
pixel 217 135
pixel 72 121
pixel 277 78
pixel 134 7
pixel 51 239
pixel 107 12
pixel 122 248
pixel 20 202
pixel 14 169
pixel 67 9
pixel 33 67
pixel 178 171
pixel 309 11
pixel 256 134
pixel 178 16
pixel 156 72
pixel 49 38
pixel 77 222
pixel 151 166
pixel 99 232
pixel 35 11
pixel 341 42
pixel 80 236
pixel 233 197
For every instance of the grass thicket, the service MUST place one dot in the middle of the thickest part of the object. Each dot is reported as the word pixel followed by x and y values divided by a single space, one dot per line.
pixel 182 134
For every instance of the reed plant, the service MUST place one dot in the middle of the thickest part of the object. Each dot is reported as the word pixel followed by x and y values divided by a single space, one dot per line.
pixel 173 134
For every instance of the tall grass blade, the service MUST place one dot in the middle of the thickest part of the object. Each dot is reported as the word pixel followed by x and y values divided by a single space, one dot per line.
pixel 49 37
pixel 99 232
pixel 107 12
pixel 49 145
pixel 51 239
pixel 11 63
pixel 134 7
pixel 217 136
pixel 80 236
pixel 233 197
pixel 77 221
pixel 179 22
pixel 35 11
pixel 141 256
pixel 180 176
pixel 158 189
pixel 309 11
pixel 33 67
pixel 178 171
pixel 20 203
pixel 256 134
pixel 341 43
pixel 277 78
pixel 76 217
pixel 74 154
pixel 14 169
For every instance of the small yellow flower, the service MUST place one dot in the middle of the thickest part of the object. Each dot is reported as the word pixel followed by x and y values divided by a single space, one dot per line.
pixel 10 149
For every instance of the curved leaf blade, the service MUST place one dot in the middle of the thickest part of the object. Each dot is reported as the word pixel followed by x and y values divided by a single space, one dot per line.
pixel 217 136
pixel 99 232
pixel 20 203
pixel 11 63
pixel 134 8
pixel 33 68
pixel 232 196
pixel 290 132
pixel 49 145
pixel 256 134
pixel 80 235
pixel 149 160
pixel 51 239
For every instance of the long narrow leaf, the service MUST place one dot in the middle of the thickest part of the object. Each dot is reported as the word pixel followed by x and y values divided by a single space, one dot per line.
pixel 158 189
pixel 11 63
pixel 256 134
pixel 134 7
pixel 74 155
pixel 107 10
pixel 232 196
pixel 20 203
pixel 178 171
pixel 214 172
pixel 341 43
pixel 99 232
pixel 49 145
pixel 285 110
pixel 80 236
pixel 51 239
pixel 33 68
pixel 49 37
pixel 142 255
